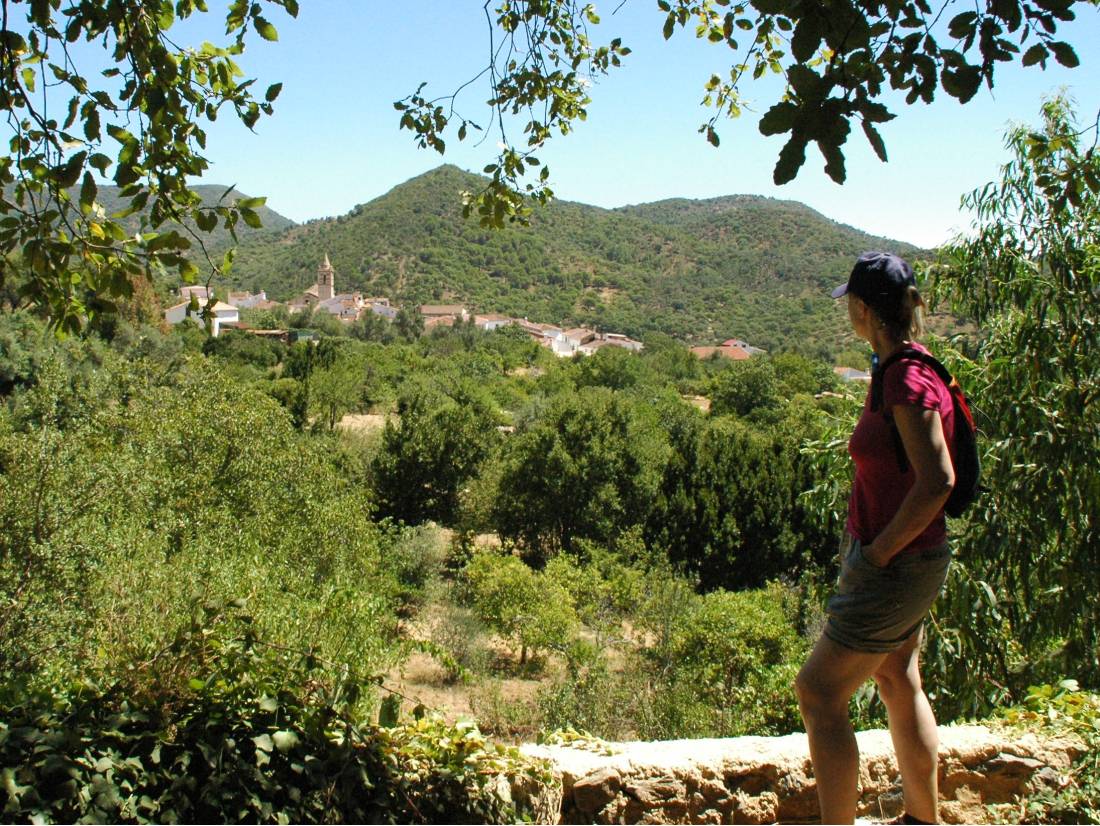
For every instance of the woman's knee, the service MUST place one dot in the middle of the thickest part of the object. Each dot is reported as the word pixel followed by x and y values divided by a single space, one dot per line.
pixel 815 695
pixel 895 684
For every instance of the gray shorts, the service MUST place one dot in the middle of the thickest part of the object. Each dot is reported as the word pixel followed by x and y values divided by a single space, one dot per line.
pixel 877 609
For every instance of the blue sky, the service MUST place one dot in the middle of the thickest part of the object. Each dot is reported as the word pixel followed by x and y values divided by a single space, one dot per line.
pixel 333 141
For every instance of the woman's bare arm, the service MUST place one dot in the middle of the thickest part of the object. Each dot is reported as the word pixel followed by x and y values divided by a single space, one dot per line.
pixel 921 432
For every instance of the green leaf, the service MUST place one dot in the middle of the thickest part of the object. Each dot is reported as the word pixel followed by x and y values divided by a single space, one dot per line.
pixel 961 83
pixel 834 161
pixel 265 29
pixel 188 271
pixel 962 25
pixel 263 742
pixel 251 218
pixel 806 38
pixel 804 80
pixel 779 119
pixel 1036 54
pixel 285 740
pixel 88 191
pixel 273 92
pixel 791 158
pixel 1064 54
pixel 68 173
pixel 100 162
pixel 268 704
pixel 205 219
pixel 389 711
pixel 875 139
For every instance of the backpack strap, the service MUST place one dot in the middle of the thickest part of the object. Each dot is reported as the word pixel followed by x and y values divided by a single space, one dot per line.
pixel 879 376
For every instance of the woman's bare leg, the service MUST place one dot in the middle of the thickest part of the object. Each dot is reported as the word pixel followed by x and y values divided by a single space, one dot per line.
pixel 827 681
pixel 912 728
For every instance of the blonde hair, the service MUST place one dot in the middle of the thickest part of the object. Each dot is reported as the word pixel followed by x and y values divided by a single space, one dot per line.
pixel 909 323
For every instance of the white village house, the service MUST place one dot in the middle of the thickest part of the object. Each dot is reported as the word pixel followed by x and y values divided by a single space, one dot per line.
pixel 225 315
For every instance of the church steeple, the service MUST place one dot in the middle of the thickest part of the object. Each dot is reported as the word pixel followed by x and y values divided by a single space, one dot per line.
pixel 326 280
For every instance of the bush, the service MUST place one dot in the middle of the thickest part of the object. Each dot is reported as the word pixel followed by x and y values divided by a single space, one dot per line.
pixel 1060 709
pixel 123 519
pixel 251 738
pixel 461 638
pixel 741 652
pixel 531 610
pixel 415 556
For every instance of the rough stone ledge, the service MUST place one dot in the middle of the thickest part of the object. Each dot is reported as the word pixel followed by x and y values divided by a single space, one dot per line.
pixel 769 779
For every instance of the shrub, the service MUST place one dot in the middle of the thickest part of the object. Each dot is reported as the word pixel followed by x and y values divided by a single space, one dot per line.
pixel 1061 709
pixel 741 651
pixel 531 610
pixel 250 738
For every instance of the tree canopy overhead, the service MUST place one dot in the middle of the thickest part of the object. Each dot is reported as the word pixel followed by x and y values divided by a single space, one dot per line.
pixel 138 121
pixel 839 58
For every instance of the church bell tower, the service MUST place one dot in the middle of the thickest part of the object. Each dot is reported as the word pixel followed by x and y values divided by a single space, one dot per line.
pixel 326 281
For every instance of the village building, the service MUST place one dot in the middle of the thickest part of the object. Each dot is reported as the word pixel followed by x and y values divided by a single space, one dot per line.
pixel 431 322
pixel 576 340
pixel 732 353
pixel 382 307
pixel 280 335
pixel 347 307
pixel 200 291
pixel 322 290
pixel 743 345
pixel 224 315
pixel 620 340
pixel 244 300
pixel 735 349
pixel 454 312
pixel 580 335
pixel 590 347
pixel 492 321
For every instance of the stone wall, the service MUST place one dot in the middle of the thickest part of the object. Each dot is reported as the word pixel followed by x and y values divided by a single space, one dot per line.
pixel 769 779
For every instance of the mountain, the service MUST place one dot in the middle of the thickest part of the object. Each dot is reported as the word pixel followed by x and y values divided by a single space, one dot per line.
pixel 219 239
pixel 744 266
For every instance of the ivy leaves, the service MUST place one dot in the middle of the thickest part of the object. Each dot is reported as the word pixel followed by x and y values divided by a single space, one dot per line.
pixel 137 122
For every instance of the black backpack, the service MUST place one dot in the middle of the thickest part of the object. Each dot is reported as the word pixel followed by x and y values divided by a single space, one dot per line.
pixel 964 446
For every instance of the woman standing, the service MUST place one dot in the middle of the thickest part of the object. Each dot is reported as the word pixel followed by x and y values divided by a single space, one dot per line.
pixel 894 557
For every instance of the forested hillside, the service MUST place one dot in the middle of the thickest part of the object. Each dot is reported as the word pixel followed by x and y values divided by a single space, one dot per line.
pixel 218 239
pixel 754 268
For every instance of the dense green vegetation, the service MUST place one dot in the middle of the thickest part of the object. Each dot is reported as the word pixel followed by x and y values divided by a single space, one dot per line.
pixel 199 545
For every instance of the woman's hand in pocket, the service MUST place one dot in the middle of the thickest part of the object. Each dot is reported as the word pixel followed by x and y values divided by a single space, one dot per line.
pixel 874 557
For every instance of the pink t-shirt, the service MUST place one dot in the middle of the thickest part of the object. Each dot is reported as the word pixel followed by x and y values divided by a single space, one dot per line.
pixel 879 486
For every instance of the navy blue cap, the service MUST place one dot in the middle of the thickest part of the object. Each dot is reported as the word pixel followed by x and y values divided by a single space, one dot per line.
pixel 880 280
